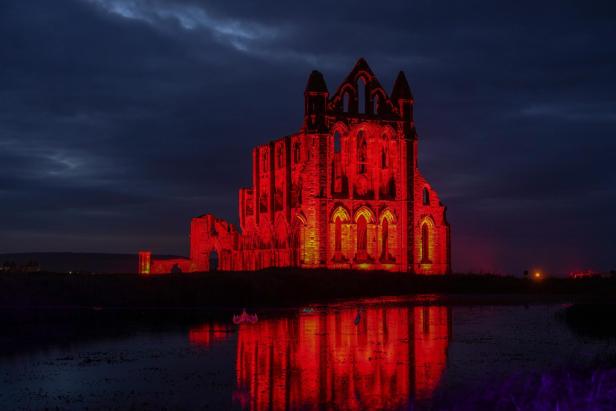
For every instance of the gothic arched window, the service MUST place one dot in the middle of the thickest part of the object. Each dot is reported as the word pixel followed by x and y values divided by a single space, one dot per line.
pixel 362 95
pixel 425 244
pixel 338 235
pixel 385 153
pixel 362 234
pixel 426 196
pixel 337 142
pixel 385 239
pixel 362 153
pixel 376 104
pixel 346 102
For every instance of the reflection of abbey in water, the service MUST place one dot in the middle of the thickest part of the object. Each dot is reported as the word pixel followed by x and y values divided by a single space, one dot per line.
pixel 344 192
pixel 391 356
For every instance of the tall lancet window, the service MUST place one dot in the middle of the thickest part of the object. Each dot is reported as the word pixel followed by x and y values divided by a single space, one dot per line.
pixel 362 153
pixel 385 239
pixel 362 235
pixel 425 244
pixel 338 235
pixel 362 96
pixel 337 146
pixel 384 152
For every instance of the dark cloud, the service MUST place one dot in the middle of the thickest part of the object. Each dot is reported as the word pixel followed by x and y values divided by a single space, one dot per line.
pixel 121 119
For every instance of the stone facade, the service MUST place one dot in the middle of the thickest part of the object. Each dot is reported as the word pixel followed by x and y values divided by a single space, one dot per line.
pixel 344 192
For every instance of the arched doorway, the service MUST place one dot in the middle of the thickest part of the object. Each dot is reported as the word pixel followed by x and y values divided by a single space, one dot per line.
pixel 213 260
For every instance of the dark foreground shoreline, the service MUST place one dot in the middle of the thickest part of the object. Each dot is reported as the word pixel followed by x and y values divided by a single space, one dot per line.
pixel 279 288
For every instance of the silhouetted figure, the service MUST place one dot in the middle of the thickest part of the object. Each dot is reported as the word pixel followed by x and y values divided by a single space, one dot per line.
pixel 176 269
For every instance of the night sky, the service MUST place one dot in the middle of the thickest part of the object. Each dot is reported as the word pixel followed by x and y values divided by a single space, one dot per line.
pixel 122 119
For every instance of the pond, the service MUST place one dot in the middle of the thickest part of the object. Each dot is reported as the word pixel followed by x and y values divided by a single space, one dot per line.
pixel 389 353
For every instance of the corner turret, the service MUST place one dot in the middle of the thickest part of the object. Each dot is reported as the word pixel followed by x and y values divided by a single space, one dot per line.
pixel 402 98
pixel 315 103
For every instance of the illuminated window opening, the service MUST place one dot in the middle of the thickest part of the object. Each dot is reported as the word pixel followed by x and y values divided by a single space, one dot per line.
pixel 338 235
pixel 388 237
pixel 384 158
pixel 339 226
pixel 362 217
pixel 385 152
pixel 425 244
pixel 362 236
pixel 385 239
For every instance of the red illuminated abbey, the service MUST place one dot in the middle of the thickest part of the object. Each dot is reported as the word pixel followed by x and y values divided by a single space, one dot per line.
pixel 344 192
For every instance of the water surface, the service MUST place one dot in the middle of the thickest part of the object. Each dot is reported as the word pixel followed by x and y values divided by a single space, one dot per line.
pixel 367 354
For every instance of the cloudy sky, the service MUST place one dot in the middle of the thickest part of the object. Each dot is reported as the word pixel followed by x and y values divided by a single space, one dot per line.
pixel 121 119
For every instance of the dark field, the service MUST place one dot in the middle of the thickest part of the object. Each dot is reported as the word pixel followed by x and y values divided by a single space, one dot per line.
pixel 279 288
pixel 275 288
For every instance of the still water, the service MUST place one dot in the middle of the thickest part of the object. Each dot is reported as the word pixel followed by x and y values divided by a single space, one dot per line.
pixel 360 355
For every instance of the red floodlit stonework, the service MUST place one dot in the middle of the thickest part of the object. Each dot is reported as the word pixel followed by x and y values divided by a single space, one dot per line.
pixel 344 192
